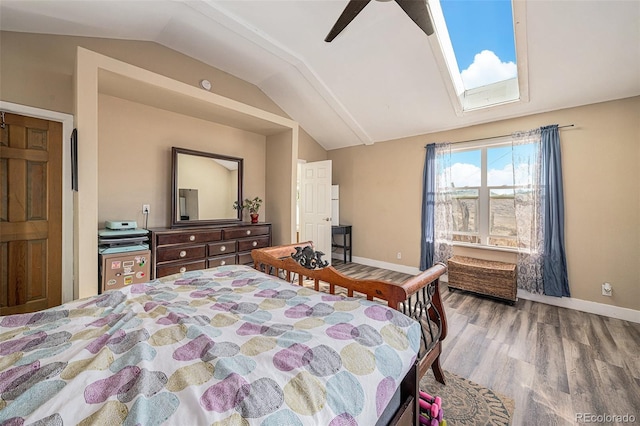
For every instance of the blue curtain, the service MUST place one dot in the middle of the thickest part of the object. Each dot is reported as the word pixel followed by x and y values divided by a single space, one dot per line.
pixel 555 278
pixel 428 208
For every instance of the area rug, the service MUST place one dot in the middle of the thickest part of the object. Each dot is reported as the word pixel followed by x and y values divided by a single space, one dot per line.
pixel 468 403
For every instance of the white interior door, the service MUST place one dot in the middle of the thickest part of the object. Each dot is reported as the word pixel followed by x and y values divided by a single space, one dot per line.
pixel 315 205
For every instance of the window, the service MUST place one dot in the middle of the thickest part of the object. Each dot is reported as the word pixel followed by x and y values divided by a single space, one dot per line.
pixel 483 191
pixel 482 46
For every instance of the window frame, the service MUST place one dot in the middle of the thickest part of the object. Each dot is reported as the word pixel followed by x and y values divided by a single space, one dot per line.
pixel 484 194
pixel 475 101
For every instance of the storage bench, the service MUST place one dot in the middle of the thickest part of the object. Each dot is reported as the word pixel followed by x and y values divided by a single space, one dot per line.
pixel 490 278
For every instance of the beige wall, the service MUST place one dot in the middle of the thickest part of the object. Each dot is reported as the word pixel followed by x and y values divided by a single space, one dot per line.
pixel 134 157
pixel 309 149
pixel 37 70
pixel 380 195
pixel 281 185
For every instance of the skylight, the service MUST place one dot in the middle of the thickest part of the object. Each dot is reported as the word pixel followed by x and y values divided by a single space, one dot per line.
pixel 477 41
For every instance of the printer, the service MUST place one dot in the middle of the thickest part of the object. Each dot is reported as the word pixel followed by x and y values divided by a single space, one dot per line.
pixel 122 236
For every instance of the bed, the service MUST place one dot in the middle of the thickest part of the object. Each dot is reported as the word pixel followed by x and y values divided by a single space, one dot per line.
pixel 227 345
pixel 418 298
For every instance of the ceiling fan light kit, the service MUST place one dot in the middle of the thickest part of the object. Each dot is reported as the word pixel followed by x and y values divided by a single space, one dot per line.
pixel 417 10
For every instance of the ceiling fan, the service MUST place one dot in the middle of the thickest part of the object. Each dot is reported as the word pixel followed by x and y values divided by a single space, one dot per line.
pixel 416 9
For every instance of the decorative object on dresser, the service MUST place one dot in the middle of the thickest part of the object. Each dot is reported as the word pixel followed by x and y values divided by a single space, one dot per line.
pixel 490 278
pixel 187 249
pixel 252 205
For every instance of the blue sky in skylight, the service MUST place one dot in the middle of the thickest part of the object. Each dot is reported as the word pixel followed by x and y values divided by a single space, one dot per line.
pixel 481 32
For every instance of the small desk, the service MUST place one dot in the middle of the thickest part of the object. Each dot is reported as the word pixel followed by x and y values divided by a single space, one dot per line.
pixel 345 231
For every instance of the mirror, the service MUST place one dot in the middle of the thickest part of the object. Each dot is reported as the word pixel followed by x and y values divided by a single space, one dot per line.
pixel 204 188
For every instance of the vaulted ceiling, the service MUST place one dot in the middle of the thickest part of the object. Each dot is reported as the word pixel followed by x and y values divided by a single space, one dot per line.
pixel 379 79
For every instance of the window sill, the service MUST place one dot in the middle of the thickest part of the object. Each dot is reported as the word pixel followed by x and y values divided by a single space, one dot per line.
pixel 490 248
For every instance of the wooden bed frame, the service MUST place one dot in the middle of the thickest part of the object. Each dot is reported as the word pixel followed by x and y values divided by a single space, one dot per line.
pixel 417 297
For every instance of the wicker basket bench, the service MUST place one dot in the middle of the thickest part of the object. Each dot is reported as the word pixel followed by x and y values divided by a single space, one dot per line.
pixel 495 279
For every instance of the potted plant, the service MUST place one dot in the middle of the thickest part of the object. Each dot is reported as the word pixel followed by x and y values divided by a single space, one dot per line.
pixel 252 205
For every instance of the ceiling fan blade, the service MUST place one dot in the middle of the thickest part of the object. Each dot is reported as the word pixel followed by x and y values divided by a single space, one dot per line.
pixel 351 11
pixel 419 13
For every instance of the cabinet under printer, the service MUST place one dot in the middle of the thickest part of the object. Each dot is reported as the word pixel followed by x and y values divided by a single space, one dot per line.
pixel 123 255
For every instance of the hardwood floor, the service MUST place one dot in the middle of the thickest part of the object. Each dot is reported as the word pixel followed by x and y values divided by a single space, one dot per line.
pixel 554 362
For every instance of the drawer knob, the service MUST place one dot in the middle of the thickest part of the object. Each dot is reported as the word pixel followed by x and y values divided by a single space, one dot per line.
pixel 255 243
pixel 223 248
pixel 192 237
pixel 183 269
pixel 248 231
pixel 222 263
pixel 183 253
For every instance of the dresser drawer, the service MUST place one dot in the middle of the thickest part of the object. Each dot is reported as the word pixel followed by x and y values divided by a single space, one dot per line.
pixel 252 243
pixel 222 248
pixel 164 270
pixel 189 237
pixel 164 254
pixel 212 262
pixel 245 259
pixel 247 231
pixel 192 248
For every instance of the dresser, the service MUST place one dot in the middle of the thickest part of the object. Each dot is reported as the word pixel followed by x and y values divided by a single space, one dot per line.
pixel 176 250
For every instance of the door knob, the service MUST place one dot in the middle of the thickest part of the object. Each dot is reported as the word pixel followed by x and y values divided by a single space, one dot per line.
pixel 328 219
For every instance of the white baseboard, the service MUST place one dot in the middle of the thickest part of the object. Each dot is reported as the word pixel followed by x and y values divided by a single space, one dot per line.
pixel 611 311
pixel 379 264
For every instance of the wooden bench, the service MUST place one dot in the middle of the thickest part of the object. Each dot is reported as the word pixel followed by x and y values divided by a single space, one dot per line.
pixel 490 278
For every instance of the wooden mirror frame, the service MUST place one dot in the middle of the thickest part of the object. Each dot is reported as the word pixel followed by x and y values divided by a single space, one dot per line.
pixel 175 219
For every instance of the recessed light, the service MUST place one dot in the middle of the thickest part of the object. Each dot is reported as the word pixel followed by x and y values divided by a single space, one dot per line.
pixel 205 84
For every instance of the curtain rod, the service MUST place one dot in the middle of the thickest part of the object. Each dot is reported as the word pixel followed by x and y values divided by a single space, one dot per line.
pixel 501 136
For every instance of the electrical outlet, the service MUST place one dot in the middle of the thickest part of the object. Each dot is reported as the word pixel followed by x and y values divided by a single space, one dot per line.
pixel 607 289
pixel 146 208
pixel 399 255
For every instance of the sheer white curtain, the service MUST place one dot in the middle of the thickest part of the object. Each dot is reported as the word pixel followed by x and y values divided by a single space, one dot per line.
pixel 528 200
pixel 443 212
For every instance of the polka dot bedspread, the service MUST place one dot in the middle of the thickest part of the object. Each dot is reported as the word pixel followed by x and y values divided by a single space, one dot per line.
pixel 227 345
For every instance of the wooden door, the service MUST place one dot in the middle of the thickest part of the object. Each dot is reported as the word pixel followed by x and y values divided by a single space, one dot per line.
pixel 315 206
pixel 30 214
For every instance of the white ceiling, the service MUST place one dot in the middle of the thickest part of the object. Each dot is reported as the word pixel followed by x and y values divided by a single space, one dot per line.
pixel 378 80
